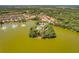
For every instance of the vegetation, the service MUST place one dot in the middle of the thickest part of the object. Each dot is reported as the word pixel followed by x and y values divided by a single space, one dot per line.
pixel 43 30
pixel 67 17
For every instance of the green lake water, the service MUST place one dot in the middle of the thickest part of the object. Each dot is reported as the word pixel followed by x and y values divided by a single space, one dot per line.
pixel 16 39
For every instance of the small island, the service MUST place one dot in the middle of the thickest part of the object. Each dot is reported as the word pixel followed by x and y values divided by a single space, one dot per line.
pixel 42 30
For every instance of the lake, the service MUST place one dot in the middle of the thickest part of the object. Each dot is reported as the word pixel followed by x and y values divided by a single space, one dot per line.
pixel 14 37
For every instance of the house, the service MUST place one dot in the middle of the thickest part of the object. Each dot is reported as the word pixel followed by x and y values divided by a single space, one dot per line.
pixel 49 19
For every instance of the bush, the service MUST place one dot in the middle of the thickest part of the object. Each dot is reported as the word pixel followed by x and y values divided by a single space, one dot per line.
pixel 33 33
pixel 50 33
pixel 47 32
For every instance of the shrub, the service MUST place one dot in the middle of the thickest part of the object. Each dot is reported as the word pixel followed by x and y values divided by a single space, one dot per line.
pixel 46 32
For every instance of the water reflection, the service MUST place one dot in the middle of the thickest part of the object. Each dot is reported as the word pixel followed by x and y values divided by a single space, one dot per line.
pixel 14 25
pixel 23 25
pixel 4 28
pixel 11 25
